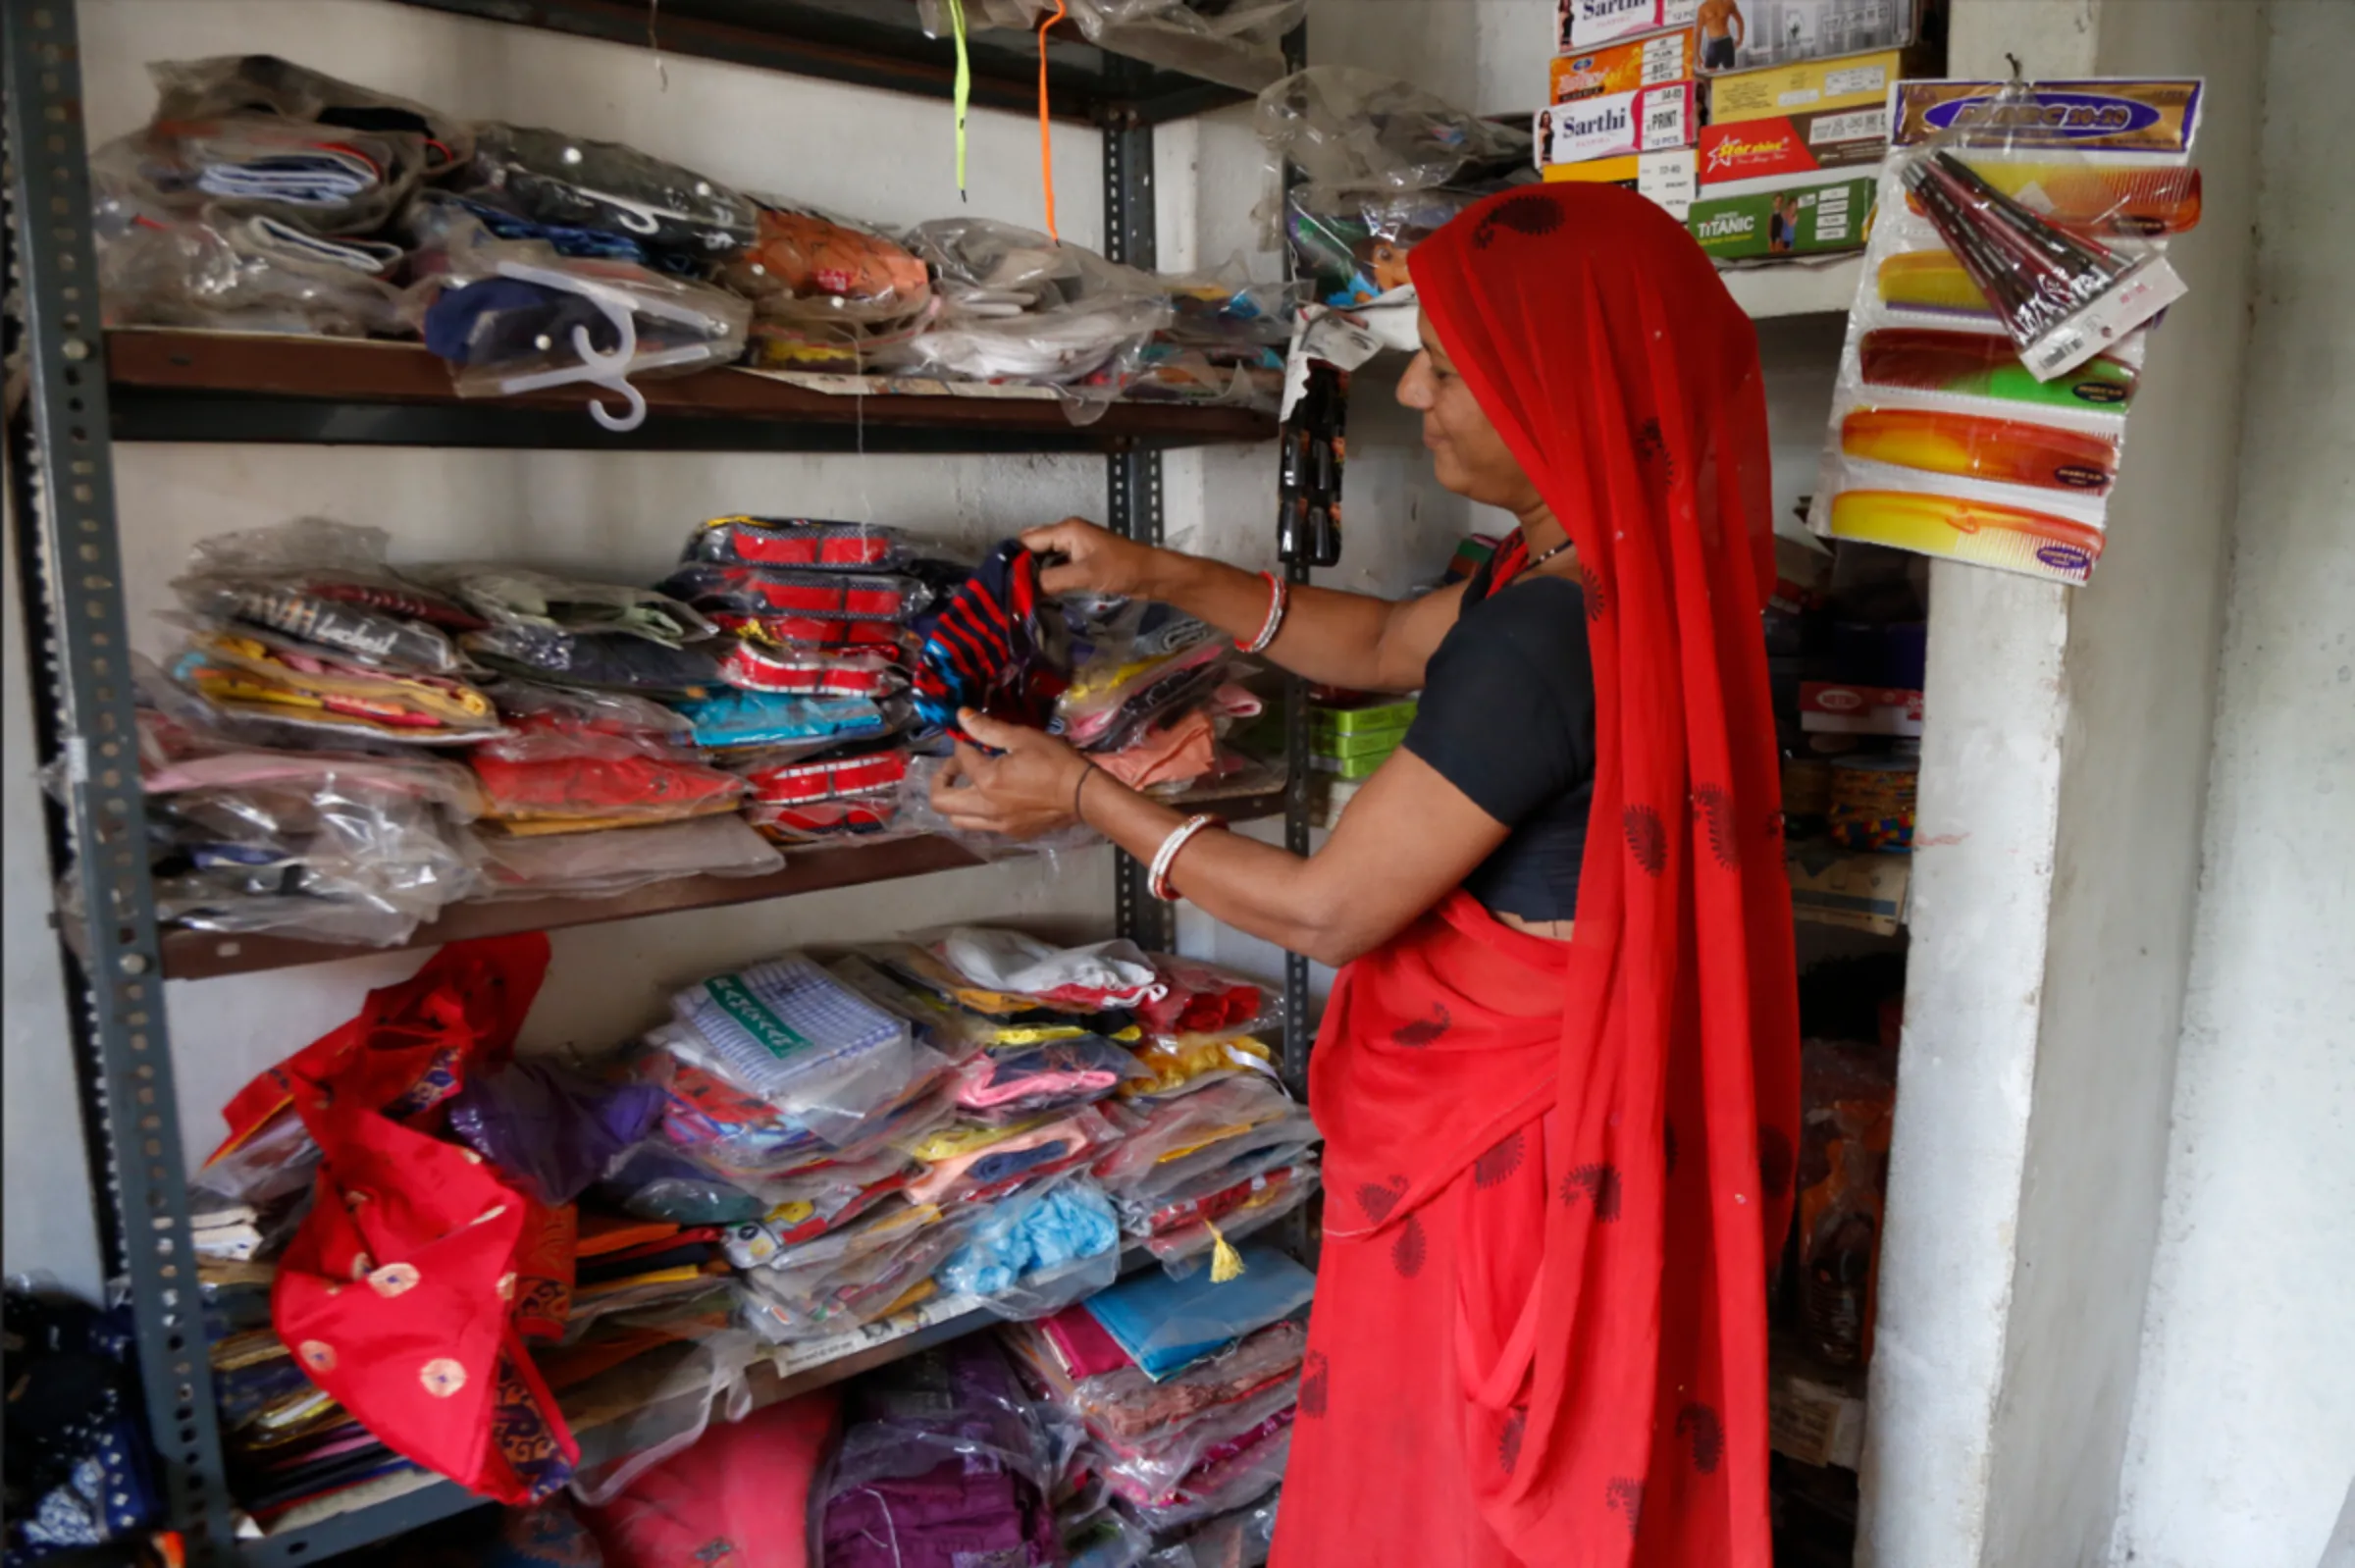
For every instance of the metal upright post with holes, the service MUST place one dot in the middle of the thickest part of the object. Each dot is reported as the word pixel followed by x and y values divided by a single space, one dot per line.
pixel 78 659
pixel 1132 478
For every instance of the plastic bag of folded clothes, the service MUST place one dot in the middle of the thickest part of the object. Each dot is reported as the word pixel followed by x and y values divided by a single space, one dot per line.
pixel 1153 698
pixel 598 637
pixel 827 292
pixel 1384 166
pixel 1038 1251
pixel 943 1460
pixel 1224 343
pixel 257 200
pixel 1019 307
pixel 573 185
pixel 519 315
pixel 1237 42
pixel 337 846
pixel 304 631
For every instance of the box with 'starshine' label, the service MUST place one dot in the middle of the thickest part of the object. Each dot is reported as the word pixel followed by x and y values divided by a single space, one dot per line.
pixel 1652 62
pixel 1647 120
pixel 1665 178
pixel 1813 86
pixel 1793 146
pixel 1585 24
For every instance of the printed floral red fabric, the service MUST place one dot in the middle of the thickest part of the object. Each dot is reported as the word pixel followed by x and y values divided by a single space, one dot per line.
pixel 1540 1334
pixel 401 1292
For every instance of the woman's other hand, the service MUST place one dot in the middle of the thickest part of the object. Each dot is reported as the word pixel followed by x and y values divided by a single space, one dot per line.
pixel 1027 791
pixel 1095 560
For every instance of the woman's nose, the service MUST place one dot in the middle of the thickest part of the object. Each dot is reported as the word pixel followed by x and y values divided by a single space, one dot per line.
pixel 1414 387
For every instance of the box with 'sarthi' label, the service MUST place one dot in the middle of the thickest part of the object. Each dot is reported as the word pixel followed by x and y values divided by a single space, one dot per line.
pixel 1647 120
pixel 1585 24
pixel 1652 62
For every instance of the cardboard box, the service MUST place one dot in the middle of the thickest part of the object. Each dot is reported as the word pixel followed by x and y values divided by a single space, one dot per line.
pixel 1743 34
pixel 1652 62
pixel 1828 707
pixel 1584 23
pixel 1794 149
pixel 1814 1422
pixel 1813 86
pixel 1667 179
pixel 1807 221
pixel 1859 892
pixel 1617 124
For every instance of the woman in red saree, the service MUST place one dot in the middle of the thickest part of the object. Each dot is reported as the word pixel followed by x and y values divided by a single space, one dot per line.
pixel 1559 1151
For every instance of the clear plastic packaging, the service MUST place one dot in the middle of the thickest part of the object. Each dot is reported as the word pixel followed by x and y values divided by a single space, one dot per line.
pixel 1163 1133
pixel 778 590
pixel 1340 125
pixel 515 316
pixel 619 860
pixel 1031 1080
pixel 252 274
pixel 1243 1539
pixel 858 776
pixel 1036 1252
pixel 1166 1326
pixel 265 84
pixel 551 177
pixel 1180 1233
pixel 1848 1096
pixel 890 1258
pixel 555 723
pixel 1112 700
pixel 522 605
pixel 253 674
pixel 1237 42
pixel 1352 242
pixel 705 1377
pixel 1102 974
pixel 1152 1468
pixel 826 291
pixel 750 667
pixel 326 583
pixel 332 181
pixel 974 1162
pixel 798 543
pixel 1943 441
pixel 1237 1474
pixel 1022 307
pixel 1186 1062
pixel 331 858
pixel 1202 999
pixel 1126 1406
pixel 734 718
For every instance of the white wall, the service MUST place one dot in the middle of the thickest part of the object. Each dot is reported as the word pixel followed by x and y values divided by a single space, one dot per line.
pixel 2243 1439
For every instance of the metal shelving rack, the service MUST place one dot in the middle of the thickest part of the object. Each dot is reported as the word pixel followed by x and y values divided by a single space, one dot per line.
pixel 70 561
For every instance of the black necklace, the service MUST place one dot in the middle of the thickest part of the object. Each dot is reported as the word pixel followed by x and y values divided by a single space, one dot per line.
pixel 1538 560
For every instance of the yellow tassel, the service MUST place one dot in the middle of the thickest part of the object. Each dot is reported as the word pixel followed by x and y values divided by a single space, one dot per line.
pixel 1224 1261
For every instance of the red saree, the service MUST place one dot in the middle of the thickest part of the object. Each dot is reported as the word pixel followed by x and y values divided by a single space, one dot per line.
pixel 1557 1172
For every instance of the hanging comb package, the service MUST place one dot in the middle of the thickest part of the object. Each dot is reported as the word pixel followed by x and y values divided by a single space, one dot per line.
pixel 2000 330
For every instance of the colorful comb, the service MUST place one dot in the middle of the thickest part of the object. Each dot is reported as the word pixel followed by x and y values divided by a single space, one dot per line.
pixel 1978 365
pixel 1973 447
pixel 2013 537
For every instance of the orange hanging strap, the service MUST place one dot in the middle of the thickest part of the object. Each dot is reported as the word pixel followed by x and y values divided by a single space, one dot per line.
pixel 1046 135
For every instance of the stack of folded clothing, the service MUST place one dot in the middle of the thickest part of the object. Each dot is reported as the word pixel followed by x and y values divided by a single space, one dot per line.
pixel 264 197
pixel 1153 698
pixel 1225 345
pixel 820 612
pixel 943 1464
pixel 827 293
pixel 1234 1155
pixel 1185 1389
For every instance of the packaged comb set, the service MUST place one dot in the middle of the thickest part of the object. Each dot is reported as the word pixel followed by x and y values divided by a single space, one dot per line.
pixel 2016 268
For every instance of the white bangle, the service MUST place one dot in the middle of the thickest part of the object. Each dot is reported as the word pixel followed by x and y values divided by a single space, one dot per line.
pixel 1157 880
pixel 1279 599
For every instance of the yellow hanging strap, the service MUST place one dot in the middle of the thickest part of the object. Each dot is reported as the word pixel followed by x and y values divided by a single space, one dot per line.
pixel 1224 1261
pixel 1046 133
pixel 965 87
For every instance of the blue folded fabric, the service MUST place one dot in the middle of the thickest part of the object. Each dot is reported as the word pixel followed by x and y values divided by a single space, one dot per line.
pixel 769 718
pixel 1029 1235
pixel 1168 1324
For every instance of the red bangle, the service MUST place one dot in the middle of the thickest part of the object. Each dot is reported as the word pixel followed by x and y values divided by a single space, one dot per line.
pixel 1279 597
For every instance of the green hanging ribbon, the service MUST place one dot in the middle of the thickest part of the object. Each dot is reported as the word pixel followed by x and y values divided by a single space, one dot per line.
pixel 965 87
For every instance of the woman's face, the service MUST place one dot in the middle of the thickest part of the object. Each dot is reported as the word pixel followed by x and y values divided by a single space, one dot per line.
pixel 1470 457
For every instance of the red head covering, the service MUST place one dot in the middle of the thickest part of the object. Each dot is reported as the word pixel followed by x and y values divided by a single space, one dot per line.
pixel 1600 342
pixel 1595 1151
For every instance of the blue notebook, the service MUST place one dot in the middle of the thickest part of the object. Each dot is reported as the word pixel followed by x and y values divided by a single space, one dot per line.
pixel 1168 1324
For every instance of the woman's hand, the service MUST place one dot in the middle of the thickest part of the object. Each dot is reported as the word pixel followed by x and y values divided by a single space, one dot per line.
pixel 1027 792
pixel 1096 561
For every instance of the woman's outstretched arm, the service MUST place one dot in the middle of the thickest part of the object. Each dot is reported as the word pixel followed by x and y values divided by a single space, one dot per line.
pixel 1409 837
pixel 1332 638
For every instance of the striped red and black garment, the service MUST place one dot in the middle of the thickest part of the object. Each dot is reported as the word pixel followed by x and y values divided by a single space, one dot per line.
pixel 998 645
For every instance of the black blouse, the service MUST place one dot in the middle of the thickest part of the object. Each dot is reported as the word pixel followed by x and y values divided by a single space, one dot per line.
pixel 1508 717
